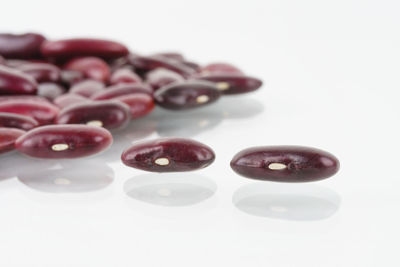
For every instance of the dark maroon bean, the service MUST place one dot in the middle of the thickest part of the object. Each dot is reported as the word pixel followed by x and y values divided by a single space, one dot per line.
pixel 220 68
pixel 168 155
pixel 64 141
pixel 16 82
pixel 285 163
pixel 87 88
pixel 66 100
pixel 124 76
pixel 42 72
pixel 161 77
pixel 140 104
pixel 71 77
pixel 24 46
pixel 154 62
pixel 50 90
pixel 171 55
pixel 120 90
pixel 12 120
pixel 71 48
pixel 233 84
pixel 8 137
pixel 93 68
pixel 193 65
pixel 186 95
pixel 42 111
pixel 108 114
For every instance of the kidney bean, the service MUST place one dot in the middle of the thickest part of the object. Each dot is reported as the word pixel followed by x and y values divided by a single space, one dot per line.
pixel 171 55
pixel 42 72
pixel 168 155
pixel 66 100
pixel 23 46
pixel 153 62
pixel 64 141
pixel 158 78
pixel 30 98
pixel 186 95
pixel 220 68
pixel 121 63
pixel 233 84
pixel 8 137
pixel 16 82
pixel 2 61
pixel 93 68
pixel 124 76
pixel 108 114
pixel 285 163
pixel 120 90
pixel 87 88
pixel 192 65
pixel 50 90
pixel 42 111
pixel 11 120
pixel 71 77
pixel 71 48
pixel 140 104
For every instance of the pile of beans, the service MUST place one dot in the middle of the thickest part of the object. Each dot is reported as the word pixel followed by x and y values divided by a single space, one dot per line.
pixel 59 99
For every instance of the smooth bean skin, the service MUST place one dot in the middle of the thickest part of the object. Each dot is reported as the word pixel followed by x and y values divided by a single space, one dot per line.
pixel 83 47
pixel 124 76
pixel 30 98
pixel 186 95
pixel 71 77
pixel 66 100
pixel 16 82
pixel 42 72
pixel 11 120
pixel 285 163
pixel 168 155
pixel 230 84
pixel 50 90
pixel 87 88
pixel 150 63
pixel 43 112
pixel 108 114
pixel 120 90
pixel 8 137
pixel 171 55
pixel 64 141
pixel 139 104
pixel 94 68
pixel 220 68
pixel 21 46
pixel 161 77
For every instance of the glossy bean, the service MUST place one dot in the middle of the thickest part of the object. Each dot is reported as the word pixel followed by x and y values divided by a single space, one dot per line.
pixel 108 114
pixel 50 90
pixel 140 104
pixel 161 77
pixel 120 90
pixel 168 155
pixel 230 84
pixel 42 72
pixel 8 137
pixel 285 163
pixel 71 77
pixel 124 76
pixel 220 68
pixel 121 63
pixel 30 98
pixel 171 55
pixel 154 62
pixel 11 120
pixel 94 68
pixel 186 95
pixel 66 100
pixel 24 46
pixel 87 88
pixel 16 82
pixel 71 48
pixel 64 141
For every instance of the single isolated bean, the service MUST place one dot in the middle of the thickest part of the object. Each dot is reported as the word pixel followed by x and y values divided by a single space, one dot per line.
pixel 186 95
pixel 87 88
pixel 23 46
pixel 50 90
pixel 108 114
pixel 120 90
pixel 42 72
pixel 71 77
pixel 16 82
pixel 64 141
pixel 70 48
pixel 220 68
pixel 139 104
pixel 66 100
pixel 94 68
pixel 161 77
pixel 285 163
pixel 124 76
pixel 168 155
pixel 153 62
pixel 8 137
pixel 11 120
pixel 230 84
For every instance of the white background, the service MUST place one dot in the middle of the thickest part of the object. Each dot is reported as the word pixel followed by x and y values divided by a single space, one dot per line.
pixel 331 80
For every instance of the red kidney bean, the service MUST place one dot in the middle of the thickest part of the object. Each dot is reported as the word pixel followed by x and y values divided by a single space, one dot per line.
pixel 70 48
pixel 121 63
pixel 42 72
pixel 120 90
pixel 139 104
pixel 220 68
pixel 186 95
pixel 158 78
pixel 50 90
pixel 233 84
pixel 71 77
pixel 153 62
pixel 16 82
pixel 171 55
pixel 30 98
pixel 87 88
pixel 108 114
pixel 66 100
pixel 8 137
pixel 42 111
pixel 168 155
pixel 124 76
pixel 192 65
pixel 11 120
pixel 2 61
pixel 285 163
pixel 24 46
pixel 64 141
pixel 93 68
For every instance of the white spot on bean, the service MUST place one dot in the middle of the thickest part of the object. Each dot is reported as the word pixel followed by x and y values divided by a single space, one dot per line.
pixel 202 99
pixel 59 147
pixel 277 166
pixel 222 86
pixel 95 123
pixel 162 161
